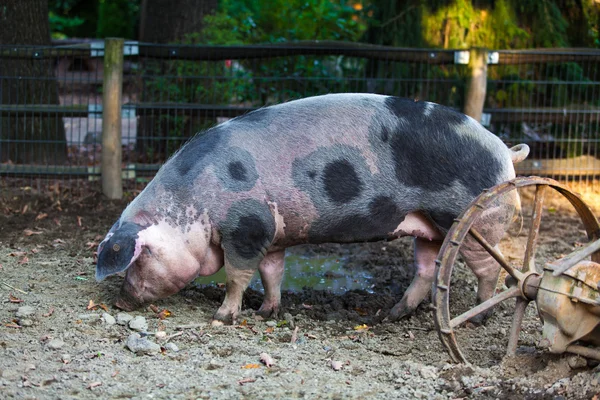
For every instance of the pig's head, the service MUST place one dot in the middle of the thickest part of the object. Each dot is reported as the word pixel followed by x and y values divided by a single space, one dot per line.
pixel 159 260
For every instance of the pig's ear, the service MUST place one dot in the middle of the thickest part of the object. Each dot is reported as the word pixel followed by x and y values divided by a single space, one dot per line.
pixel 118 252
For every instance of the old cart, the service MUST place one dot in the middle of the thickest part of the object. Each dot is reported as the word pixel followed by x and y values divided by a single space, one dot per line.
pixel 565 290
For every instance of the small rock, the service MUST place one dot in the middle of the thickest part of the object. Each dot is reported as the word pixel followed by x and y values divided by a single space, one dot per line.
pixel 138 324
pixel 576 362
pixel 25 311
pixel 123 318
pixel 336 365
pixel 288 317
pixel 141 345
pixel 428 372
pixel 65 358
pixel 85 317
pixel 272 323
pixel 172 347
pixel 25 322
pixel 109 319
pixel 55 344
pixel 160 335
pixel 213 364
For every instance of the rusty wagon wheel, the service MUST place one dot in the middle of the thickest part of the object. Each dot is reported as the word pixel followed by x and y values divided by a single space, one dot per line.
pixel 519 277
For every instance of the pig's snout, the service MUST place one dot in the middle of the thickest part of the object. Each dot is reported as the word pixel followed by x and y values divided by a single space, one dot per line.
pixel 127 300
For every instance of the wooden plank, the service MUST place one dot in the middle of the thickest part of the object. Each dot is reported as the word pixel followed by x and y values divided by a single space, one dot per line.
pixel 575 166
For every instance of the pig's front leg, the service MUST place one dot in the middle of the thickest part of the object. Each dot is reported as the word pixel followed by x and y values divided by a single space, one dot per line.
pixel 236 283
pixel 426 252
pixel 271 274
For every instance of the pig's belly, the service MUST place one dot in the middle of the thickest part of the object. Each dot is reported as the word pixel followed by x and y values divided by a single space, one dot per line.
pixel 413 224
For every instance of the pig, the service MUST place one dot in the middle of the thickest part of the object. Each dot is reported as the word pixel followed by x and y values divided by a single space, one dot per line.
pixel 337 168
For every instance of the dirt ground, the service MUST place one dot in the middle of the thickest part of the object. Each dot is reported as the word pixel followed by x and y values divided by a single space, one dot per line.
pixel 331 346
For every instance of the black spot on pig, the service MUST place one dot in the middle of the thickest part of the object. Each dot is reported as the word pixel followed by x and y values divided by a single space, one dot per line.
pixel 442 218
pixel 385 134
pixel 236 168
pixel 118 251
pixel 247 232
pixel 250 236
pixel 378 223
pixel 428 152
pixel 195 151
pixel 237 171
pixel 414 112
pixel 341 181
pixel 382 208
pixel 260 116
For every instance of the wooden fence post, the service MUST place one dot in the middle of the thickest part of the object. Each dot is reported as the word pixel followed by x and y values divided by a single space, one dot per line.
pixel 112 185
pixel 476 86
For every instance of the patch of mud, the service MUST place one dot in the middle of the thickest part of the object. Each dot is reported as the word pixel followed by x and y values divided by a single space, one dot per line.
pixel 63 347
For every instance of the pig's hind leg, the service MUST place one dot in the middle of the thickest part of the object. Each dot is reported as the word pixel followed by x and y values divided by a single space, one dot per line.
pixel 427 243
pixel 426 252
pixel 492 225
pixel 271 274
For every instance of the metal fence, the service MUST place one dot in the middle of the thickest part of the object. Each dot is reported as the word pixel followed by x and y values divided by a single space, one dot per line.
pixel 51 98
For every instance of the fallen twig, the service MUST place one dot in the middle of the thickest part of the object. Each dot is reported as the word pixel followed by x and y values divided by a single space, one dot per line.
pixel 13 288
pixel 246 380
pixel 172 336
pixel 189 326
pixel 294 335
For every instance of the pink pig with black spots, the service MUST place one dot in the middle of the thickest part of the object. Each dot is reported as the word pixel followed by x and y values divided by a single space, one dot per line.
pixel 337 168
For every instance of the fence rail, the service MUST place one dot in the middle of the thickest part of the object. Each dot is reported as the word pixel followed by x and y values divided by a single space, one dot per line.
pixel 548 98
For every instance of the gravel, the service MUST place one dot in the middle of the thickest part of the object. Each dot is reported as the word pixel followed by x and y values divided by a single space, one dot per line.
pixel 139 324
pixel 141 345
pixel 25 311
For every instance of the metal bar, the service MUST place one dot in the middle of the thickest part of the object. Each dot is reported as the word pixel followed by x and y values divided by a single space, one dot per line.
pixel 486 305
pixel 497 256
pixel 515 328
pixel 374 52
pixel 534 229
pixel 560 266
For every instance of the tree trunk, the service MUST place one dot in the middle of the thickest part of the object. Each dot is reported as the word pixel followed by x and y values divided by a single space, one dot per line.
pixel 27 138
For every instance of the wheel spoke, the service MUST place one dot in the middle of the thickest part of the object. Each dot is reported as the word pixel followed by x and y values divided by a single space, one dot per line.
pixel 496 254
pixel 515 328
pixel 534 229
pixel 486 305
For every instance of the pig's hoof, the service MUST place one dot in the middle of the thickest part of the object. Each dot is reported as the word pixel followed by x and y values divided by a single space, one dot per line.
pixel 123 305
pixel 226 318
pixel 398 312
pixel 267 313
pixel 481 319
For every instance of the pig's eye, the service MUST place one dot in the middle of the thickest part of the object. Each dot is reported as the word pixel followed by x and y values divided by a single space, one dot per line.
pixel 116 247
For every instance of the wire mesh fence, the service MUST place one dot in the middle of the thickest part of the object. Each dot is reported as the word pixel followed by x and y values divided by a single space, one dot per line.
pixel 51 108
pixel 550 100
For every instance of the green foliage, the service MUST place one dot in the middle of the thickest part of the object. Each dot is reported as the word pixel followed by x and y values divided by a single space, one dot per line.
pixel 72 18
pixel 59 24
pixel 272 21
pixel 117 18
pixel 495 24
